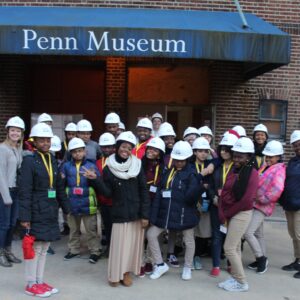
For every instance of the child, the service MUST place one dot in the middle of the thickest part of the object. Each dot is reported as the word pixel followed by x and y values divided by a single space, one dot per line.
pixel 41 192
pixel 143 131
pixel 70 132
pixel 206 132
pixel 111 122
pixel 260 139
pixel 174 208
pixel 83 201
pixel 107 144
pixel 190 134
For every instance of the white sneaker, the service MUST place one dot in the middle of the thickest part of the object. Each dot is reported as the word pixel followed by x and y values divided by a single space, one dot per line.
pixel 159 271
pixel 226 282
pixel 236 286
pixel 186 273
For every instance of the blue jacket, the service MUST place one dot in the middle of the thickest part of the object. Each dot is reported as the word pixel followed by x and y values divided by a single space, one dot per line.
pixel 179 212
pixel 290 199
pixel 83 200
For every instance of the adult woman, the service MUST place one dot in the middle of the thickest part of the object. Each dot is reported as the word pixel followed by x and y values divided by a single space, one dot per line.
pixel 10 162
pixel 291 202
pixel 236 205
pixel 270 187
pixel 125 183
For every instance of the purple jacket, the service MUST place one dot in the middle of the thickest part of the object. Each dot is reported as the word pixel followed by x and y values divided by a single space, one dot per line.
pixel 270 187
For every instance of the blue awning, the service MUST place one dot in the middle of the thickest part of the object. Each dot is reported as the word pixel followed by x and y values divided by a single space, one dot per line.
pixel 143 33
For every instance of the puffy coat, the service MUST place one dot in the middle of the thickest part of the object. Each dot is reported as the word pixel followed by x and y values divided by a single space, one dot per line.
pixel 35 206
pixel 270 188
pixel 290 199
pixel 85 204
pixel 179 212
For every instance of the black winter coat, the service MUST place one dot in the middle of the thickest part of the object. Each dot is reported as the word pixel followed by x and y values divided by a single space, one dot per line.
pixel 130 197
pixel 179 212
pixel 35 206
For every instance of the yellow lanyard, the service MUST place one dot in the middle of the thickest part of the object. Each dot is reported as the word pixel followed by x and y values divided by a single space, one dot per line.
pixel 103 162
pixel 199 170
pixel 225 172
pixel 170 178
pixel 48 167
pixel 65 144
pixel 259 160
pixel 155 176
pixel 170 163
pixel 78 173
pixel 138 146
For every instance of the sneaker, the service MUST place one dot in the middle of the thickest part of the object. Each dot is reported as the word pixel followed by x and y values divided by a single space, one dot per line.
pixel 226 282
pixel 297 275
pixel 93 258
pixel 142 272
pixel 159 271
pixel 148 268
pixel 173 261
pixel 253 266
pixel 292 266
pixel 235 286
pixel 186 273
pixel 215 272
pixel 37 290
pixel 49 288
pixel 71 255
pixel 262 266
pixel 50 251
pixel 11 257
pixel 197 263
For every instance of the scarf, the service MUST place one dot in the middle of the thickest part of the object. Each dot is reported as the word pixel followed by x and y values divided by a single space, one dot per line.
pixel 129 169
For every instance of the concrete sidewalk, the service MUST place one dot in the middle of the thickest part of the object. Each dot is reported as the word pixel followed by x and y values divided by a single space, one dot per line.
pixel 79 280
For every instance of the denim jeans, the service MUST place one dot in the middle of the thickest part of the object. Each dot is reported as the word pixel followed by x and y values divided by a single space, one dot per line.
pixel 218 237
pixel 8 219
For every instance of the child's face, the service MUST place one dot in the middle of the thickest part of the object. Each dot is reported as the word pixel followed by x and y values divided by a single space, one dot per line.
pixel 42 144
pixel 201 154
pixel 169 141
pixel 260 137
pixel 225 153
pixel 272 160
pixel 112 128
pixel 108 150
pixel 78 154
pixel 70 135
pixel 179 164
pixel 152 153
pixel 84 135
pixel 143 133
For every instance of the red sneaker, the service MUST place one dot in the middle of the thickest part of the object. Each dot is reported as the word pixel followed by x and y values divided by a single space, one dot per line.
pixel 148 268
pixel 49 288
pixel 215 272
pixel 37 290
pixel 142 272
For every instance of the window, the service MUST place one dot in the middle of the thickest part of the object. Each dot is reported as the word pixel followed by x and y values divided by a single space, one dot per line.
pixel 273 114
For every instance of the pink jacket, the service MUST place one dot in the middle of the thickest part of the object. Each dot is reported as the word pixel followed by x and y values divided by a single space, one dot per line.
pixel 270 188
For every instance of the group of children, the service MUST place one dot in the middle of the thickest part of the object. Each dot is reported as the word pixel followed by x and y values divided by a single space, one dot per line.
pixel 144 186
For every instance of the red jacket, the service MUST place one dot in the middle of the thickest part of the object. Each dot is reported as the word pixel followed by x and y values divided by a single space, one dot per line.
pixel 101 164
pixel 140 149
pixel 229 206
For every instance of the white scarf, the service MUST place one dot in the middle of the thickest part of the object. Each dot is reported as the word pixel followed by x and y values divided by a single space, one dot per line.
pixel 129 169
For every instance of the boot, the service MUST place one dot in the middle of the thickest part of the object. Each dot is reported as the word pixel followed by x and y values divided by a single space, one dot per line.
pixel 11 257
pixel 3 259
pixel 262 264
pixel 127 280
pixel 292 266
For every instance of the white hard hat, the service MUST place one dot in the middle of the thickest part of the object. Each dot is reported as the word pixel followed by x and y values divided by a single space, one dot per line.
pixel 107 139
pixel 71 127
pixel 295 136
pixel 127 136
pixel 201 143
pixel 240 130
pixel 41 130
pixel 145 122
pixel 112 118
pixel 44 118
pixel 55 144
pixel 260 127
pixel 244 145
pixel 157 143
pixel 205 130
pixel 166 129
pixel 76 143
pixel 122 126
pixel 228 139
pixel 273 148
pixel 157 115
pixel 190 130
pixel 84 125
pixel 15 122
pixel 182 150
